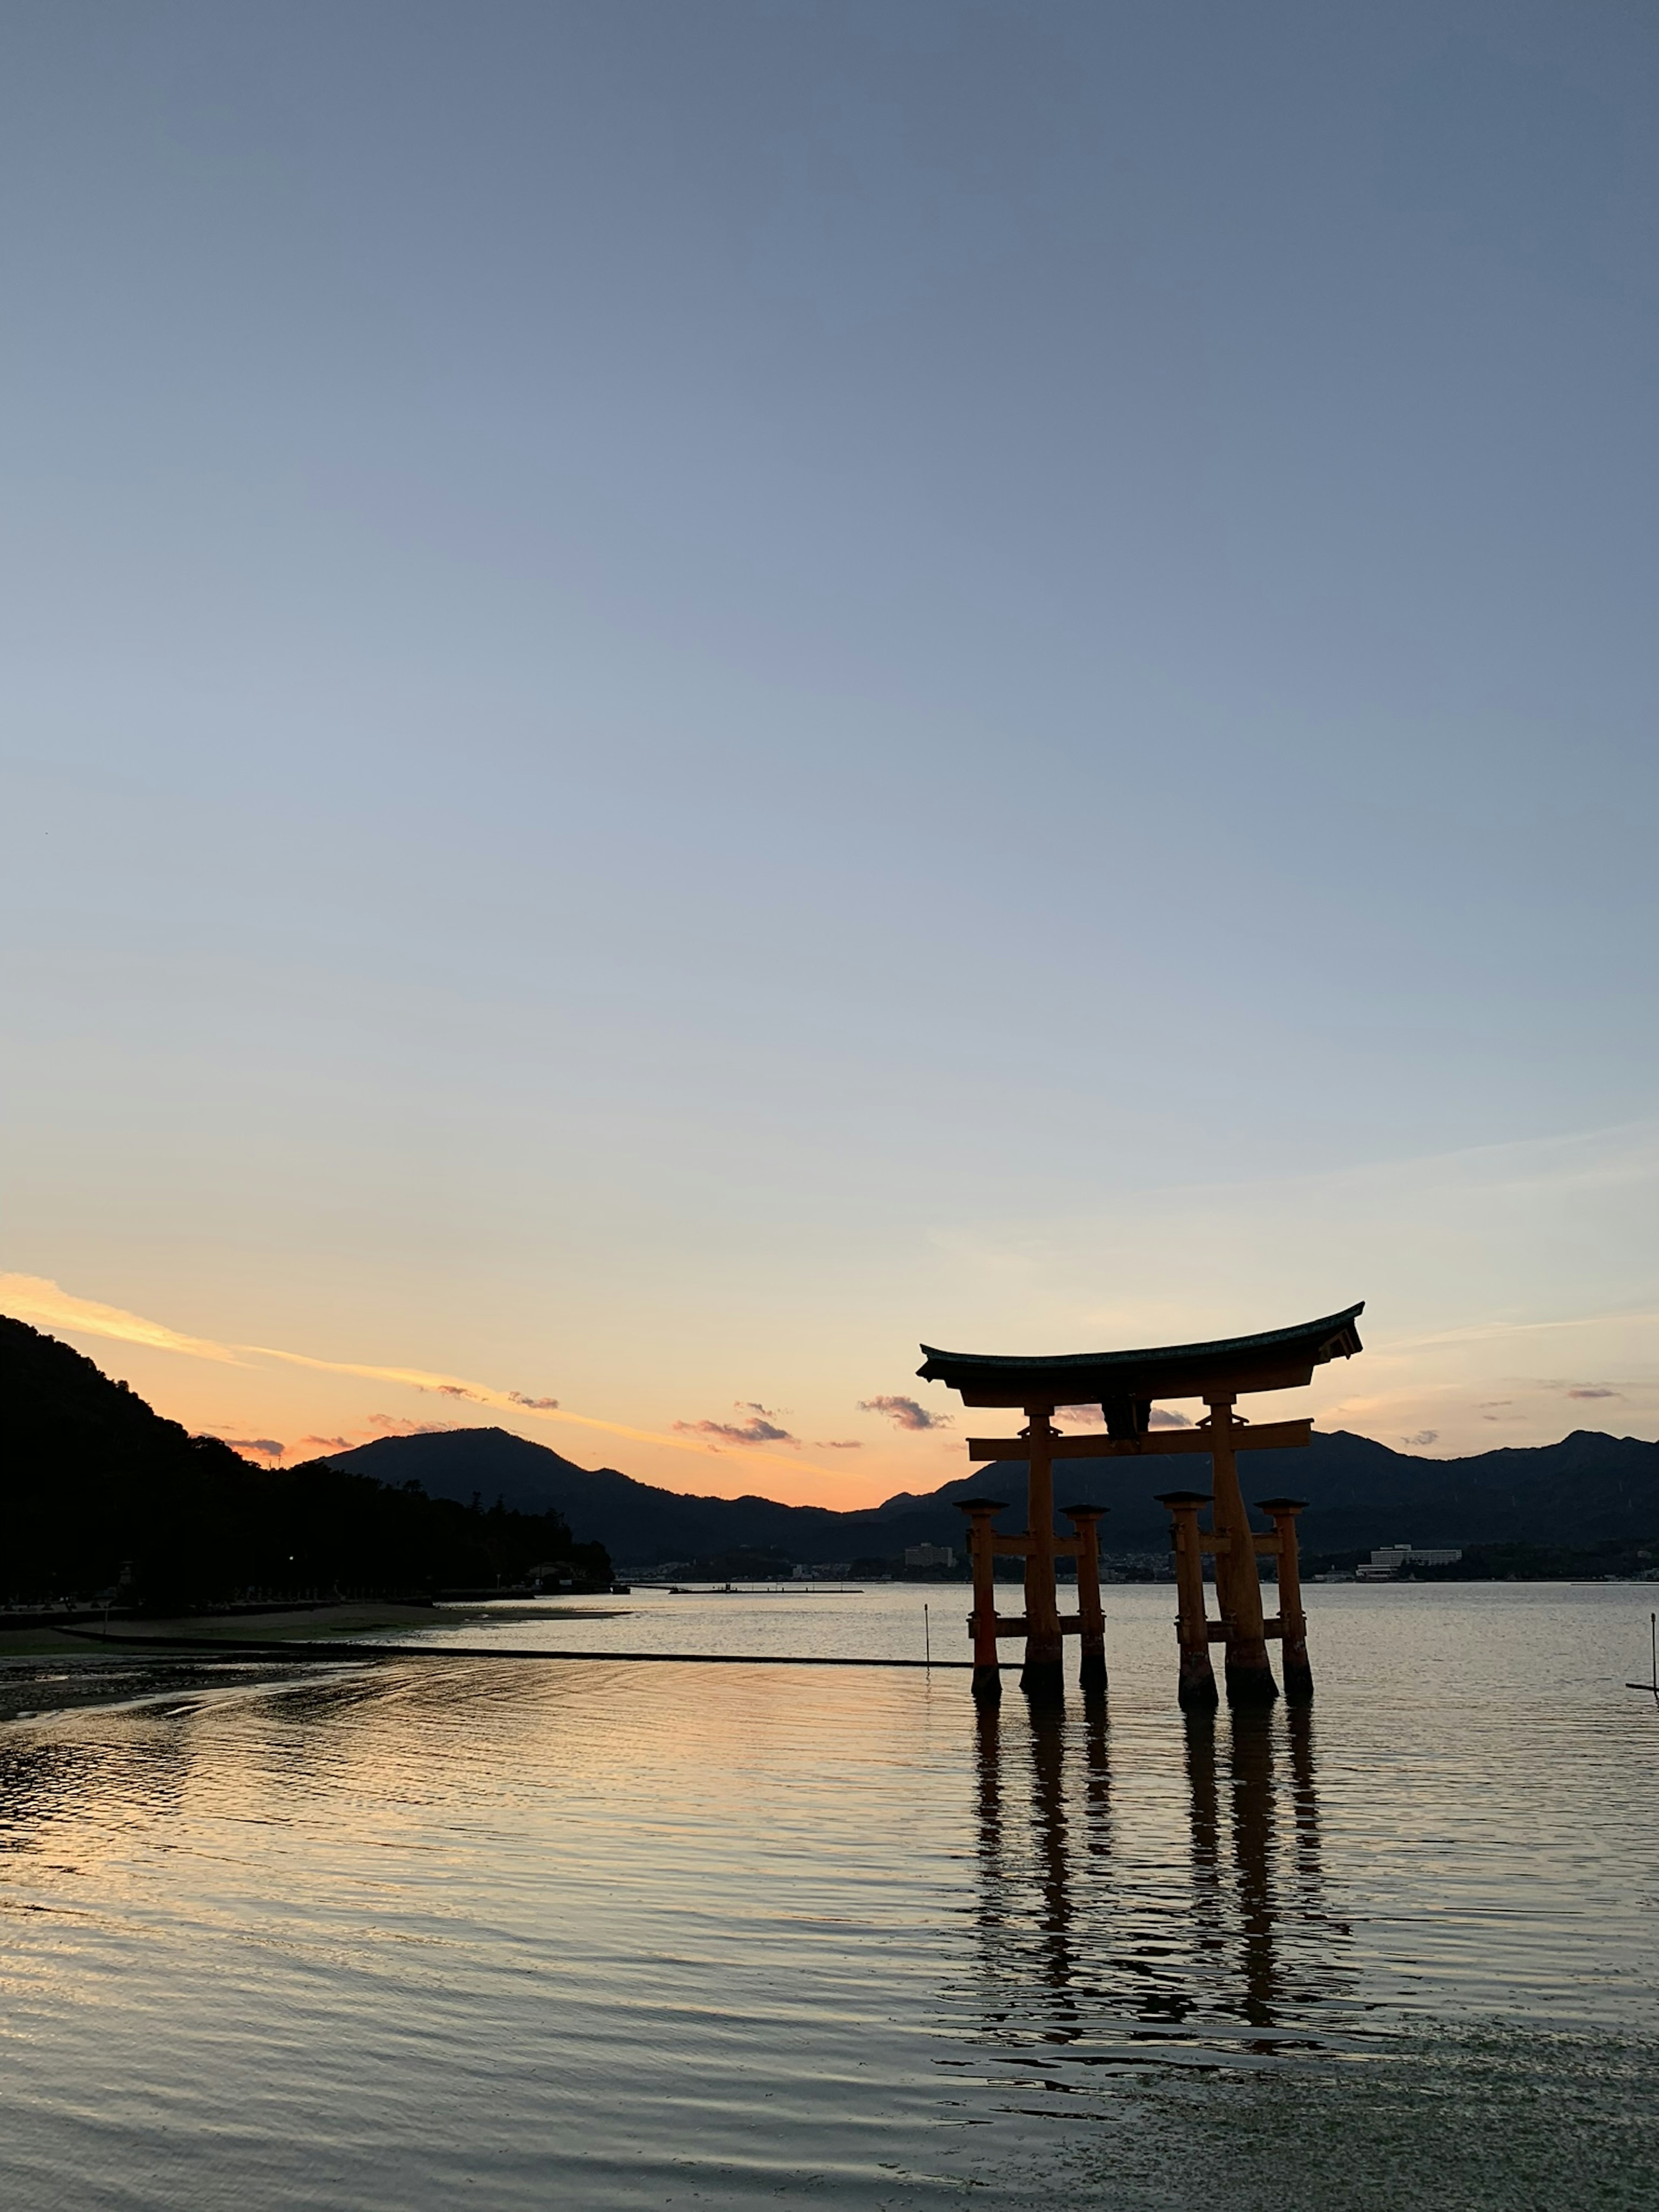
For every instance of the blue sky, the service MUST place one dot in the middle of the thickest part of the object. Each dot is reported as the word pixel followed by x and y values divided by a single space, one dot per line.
pixel 691 692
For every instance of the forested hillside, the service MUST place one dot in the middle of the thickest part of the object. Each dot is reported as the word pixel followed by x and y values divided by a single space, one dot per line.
pixel 98 1492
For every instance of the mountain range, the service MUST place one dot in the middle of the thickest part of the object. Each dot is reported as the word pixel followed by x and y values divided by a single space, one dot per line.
pixel 1586 1489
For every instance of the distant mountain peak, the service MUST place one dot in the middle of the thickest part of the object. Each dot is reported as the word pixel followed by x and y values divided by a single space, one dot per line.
pixel 1360 1492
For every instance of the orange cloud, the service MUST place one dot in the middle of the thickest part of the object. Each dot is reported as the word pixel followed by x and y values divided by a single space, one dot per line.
pixel 34 1298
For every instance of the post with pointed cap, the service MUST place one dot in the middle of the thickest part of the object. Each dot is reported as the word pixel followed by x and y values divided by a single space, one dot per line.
pixel 1091 1621
pixel 1197 1690
pixel 1292 1621
pixel 982 1621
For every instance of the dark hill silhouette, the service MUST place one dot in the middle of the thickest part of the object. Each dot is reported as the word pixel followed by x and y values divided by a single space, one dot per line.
pixel 1582 1490
pixel 634 1521
pixel 93 1482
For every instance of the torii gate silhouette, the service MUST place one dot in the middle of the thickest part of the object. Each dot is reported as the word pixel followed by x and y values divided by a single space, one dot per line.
pixel 1125 1385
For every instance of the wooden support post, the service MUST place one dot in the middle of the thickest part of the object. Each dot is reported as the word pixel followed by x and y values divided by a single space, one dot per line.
pixel 1292 1621
pixel 982 1621
pixel 1196 1689
pixel 1238 1586
pixel 1091 1620
pixel 1041 1676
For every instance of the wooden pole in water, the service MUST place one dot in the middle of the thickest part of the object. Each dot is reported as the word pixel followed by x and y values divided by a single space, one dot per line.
pixel 1292 1621
pixel 1041 1676
pixel 1249 1678
pixel 982 1621
pixel 1091 1620
pixel 1196 1690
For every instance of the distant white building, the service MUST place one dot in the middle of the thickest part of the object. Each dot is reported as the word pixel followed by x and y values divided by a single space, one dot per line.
pixel 1387 1560
pixel 929 1555
pixel 1384 1563
pixel 826 1570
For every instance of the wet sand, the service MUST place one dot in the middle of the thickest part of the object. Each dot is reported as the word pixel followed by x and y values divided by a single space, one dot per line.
pixel 48 1670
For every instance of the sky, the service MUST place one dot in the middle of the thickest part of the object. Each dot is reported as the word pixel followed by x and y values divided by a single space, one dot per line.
pixel 689 695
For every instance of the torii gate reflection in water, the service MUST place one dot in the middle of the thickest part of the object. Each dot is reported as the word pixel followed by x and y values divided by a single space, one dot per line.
pixel 1125 1385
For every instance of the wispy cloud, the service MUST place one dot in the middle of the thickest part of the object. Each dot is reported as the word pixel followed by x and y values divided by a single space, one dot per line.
pixel 838 1443
pixel 328 1443
pixel 1596 1394
pixel 1537 1255
pixel 905 1413
pixel 1493 1331
pixel 267 1447
pixel 534 1405
pixel 34 1298
pixel 1162 1418
pixel 1423 1436
pixel 399 1424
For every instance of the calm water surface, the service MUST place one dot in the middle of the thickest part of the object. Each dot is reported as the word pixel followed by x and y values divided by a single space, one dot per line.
pixel 594 1934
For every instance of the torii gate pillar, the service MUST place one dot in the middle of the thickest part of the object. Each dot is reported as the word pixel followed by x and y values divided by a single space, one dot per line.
pixel 1237 1579
pixel 1041 1676
pixel 1042 1624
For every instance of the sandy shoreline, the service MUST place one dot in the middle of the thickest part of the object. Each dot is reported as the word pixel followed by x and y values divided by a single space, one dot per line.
pixel 46 1670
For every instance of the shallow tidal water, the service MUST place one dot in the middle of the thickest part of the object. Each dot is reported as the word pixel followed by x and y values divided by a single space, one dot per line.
pixel 429 1933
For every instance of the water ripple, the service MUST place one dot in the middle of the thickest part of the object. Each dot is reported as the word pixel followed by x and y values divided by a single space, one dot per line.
pixel 389 1937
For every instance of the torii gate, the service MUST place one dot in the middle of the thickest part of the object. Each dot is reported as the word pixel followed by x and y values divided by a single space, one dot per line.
pixel 1125 1385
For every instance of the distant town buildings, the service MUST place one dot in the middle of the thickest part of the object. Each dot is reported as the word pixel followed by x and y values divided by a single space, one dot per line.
pixel 1387 1560
pixel 1137 1566
pixel 929 1555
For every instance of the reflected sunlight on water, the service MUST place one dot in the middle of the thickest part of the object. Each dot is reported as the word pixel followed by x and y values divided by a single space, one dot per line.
pixel 619 1935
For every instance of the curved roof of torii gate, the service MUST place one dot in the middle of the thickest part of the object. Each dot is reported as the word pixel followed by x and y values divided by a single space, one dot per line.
pixel 1277 1359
